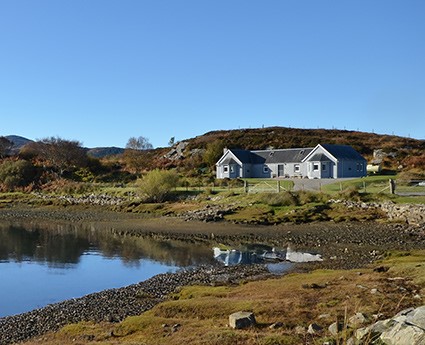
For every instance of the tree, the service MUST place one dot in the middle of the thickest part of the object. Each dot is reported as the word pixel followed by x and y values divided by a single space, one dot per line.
pixel 140 143
pixel 213 152
pixel 158 184
pixel 5 146
pixel 62 154
pixel 134 153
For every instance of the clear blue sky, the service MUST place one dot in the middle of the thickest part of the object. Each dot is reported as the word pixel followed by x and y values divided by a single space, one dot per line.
pixel 102 71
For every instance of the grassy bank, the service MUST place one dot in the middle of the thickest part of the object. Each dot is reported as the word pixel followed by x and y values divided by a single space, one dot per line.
pixel 267 207
pixel 199 314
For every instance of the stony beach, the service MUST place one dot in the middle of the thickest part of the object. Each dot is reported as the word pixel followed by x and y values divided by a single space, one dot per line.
pixel 115 304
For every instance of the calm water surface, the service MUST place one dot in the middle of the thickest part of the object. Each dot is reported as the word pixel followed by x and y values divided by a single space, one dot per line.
pixel 43 265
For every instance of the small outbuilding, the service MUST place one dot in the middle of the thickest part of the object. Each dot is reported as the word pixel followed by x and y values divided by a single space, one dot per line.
pixel 322 161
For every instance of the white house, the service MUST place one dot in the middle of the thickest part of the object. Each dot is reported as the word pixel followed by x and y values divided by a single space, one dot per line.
pixel 322 161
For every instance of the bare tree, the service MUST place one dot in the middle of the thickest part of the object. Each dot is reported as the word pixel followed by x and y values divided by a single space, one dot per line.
pixel 62 154
pixel 140 143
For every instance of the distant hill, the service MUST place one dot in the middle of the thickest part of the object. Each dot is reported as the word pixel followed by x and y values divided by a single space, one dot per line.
pixel 101 152
pixel 97 152
pixel 18 142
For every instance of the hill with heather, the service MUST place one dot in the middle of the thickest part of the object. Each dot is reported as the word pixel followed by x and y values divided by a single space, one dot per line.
pixel 281 137
pixel 393 151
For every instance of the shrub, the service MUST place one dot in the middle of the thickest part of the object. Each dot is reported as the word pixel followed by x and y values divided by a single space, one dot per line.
pixel 350 193
pixel 280 199
pixel 67 187
pixel 307 197
pixel 14 174
pixel 158 184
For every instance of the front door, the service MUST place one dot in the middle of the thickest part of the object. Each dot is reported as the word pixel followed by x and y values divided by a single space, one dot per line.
pixel 280 170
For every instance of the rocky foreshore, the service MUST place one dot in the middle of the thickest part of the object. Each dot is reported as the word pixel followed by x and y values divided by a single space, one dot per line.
pixel 116 304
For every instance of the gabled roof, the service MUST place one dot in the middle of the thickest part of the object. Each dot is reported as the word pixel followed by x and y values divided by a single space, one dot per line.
pixel 265 156
pixel 345 152
pixel 243 155
pixel 319 157
pixel 281 156
pixel 297 155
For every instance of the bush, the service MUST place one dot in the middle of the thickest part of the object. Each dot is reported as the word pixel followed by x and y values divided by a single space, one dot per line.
pixel 67 187
pixel 14 174
pixel 280 199
pixel 351 194
pixel 306 197
pixel 158 184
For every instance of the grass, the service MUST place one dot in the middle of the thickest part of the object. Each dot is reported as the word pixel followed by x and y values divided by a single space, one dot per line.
pixel 202 311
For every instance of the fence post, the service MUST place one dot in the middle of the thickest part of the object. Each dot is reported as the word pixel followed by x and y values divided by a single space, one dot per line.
pixel 278 186
pixel 364 186
pixel 245 186
pixel 392 186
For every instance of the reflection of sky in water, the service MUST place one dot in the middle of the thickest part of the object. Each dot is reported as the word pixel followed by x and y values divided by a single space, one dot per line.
pixel 27 285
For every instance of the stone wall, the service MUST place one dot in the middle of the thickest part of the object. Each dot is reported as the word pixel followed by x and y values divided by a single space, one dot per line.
pixel 406 213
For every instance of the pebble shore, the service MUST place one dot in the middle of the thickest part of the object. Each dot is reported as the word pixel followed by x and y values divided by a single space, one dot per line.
pixel 114 305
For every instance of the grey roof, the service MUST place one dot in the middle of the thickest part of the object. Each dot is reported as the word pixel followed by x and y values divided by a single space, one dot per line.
pixel 271 156
pixel 282 156
pixel 345 152
pixel 319 157
pixel 243 155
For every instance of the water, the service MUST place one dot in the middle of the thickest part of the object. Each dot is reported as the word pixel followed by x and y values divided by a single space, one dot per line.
pixel 48 263
pixel 39 266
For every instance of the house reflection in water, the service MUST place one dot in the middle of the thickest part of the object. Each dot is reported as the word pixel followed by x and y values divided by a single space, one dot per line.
pixel 230 257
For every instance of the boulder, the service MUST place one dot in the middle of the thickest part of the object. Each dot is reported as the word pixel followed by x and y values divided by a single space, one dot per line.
pixel 405 328
pixel 356 320
pixel 336 327
pixel 314 328
pixel 242 319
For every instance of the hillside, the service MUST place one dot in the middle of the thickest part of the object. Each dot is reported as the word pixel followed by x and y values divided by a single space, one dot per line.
pixel 395 152
pixel 282 137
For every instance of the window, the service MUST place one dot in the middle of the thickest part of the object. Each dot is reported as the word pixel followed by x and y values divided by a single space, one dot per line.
pixel 296 168
pixel 359 167
pixel 232 169
pixel 315 166
pixel 265 169
pixel 225 168
pixel 323 167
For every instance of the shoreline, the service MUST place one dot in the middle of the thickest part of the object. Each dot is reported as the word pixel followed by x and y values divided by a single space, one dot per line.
pixel 113 305
pixel 342 245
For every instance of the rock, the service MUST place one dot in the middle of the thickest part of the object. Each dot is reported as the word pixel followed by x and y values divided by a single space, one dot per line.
pixel 405 328
pixel 335 328
pixel 300 330
pixel 242 319
pixel 276 325
pixel 314 328
pixel 403 334
pixel 356 320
